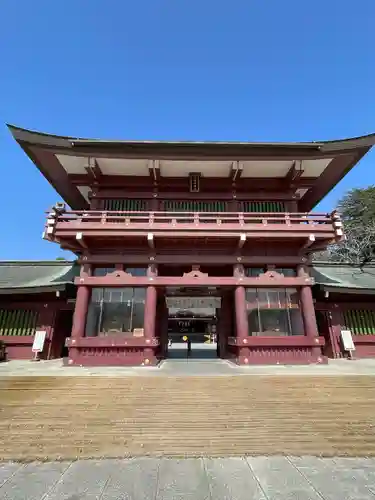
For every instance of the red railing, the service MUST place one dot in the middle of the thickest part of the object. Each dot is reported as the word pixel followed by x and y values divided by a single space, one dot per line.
pixel 79 224
pixel 196 218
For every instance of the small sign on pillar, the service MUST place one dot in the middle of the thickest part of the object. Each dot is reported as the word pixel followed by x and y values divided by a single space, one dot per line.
pixel 347 342
pixel 38 344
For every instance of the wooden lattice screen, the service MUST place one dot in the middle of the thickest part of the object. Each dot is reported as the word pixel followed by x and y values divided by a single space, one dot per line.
pixel 193 206
pixel 262 206
pixel 127 205
pixel 18 321
pixel 132 205
pixel 360 321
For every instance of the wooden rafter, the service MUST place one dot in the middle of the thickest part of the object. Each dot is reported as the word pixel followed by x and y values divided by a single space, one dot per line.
pixel 93 170
pixel 236 171
pixel 154 170
pixel 295 172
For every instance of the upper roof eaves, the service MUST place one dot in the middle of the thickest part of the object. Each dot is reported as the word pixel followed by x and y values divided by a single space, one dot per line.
pixel 41 138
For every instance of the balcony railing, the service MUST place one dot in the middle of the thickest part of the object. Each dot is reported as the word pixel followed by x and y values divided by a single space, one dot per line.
pixel 326 225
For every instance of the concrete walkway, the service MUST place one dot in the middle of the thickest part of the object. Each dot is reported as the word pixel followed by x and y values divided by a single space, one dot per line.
pixel 183 366
pixel 255 478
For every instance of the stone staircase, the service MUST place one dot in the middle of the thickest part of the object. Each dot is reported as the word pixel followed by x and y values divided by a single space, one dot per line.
pixel 67 417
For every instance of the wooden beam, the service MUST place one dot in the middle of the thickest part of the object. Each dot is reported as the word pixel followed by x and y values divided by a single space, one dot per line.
pixel 310 240
pixel 154 169
pixel 205 195
pixel 93 170
pixel 150 240
pixel 317 246
pixel 295 172
pixel 120 279
pixel 242 240
pixel 221 184
pixel 80 240
pixel 236 170
pixel 206 259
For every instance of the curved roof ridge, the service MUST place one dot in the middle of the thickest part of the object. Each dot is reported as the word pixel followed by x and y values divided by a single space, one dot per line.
pixel 368 139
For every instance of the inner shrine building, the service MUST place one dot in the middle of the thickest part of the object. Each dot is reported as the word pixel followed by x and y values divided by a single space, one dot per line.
pixel 207 238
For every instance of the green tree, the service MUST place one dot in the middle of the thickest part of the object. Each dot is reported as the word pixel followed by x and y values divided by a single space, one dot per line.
pixel 357 209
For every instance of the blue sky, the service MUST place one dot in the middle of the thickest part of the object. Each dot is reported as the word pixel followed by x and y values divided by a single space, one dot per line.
pixel 252 70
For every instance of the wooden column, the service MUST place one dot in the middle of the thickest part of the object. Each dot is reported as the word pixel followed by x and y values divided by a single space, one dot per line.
pixel 150 305
pixel 95 204
pixel 224 323
pixel 291 206
pixel 233 206
pixel 242 328
pixel 336 324
pixel 307 307
pixel 80 311
pixel 163 318
pixel 154 204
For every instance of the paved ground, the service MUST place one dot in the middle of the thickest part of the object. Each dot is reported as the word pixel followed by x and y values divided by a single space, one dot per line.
pixel 255 478
pixel 184 366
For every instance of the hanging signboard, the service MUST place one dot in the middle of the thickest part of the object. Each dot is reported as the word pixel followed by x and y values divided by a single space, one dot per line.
pixel 347 340
pixel 193 302
pixel 39 340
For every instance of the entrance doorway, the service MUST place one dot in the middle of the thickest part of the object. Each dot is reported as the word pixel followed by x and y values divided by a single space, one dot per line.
pixel 192 323
pixel 63 329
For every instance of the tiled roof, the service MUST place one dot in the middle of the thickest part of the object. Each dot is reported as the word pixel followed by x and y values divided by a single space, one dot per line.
pixel 341 276
pixel 39 276
pixel 36 276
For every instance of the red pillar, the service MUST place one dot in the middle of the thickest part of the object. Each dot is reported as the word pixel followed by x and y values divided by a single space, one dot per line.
pixel 308 314
pixel 241 315
pixel 80 311
pixel 242 328
pixel 150 315
pixel 162 317
pixel 307 307
pixel 79 321
pixel 150 312
pixel 224 323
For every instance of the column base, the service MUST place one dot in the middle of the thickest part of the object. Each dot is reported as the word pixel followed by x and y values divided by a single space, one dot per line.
pixel 107 351
pixel 294 350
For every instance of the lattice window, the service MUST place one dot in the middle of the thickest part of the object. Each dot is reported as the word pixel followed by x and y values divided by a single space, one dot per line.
pixel 262 206
pixel 126 205
pixel 18 321
pixel 360 321
pixel 194 206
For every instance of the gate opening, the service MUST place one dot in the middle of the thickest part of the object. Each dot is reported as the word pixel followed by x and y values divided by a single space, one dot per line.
pixel 192 323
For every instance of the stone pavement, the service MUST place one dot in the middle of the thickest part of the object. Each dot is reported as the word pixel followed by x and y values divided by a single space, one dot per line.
pixel 183 366
pixel 255 478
